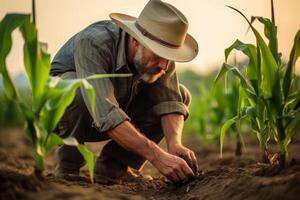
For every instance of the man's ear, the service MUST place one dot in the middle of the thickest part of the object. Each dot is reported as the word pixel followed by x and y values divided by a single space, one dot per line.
pixel 132 48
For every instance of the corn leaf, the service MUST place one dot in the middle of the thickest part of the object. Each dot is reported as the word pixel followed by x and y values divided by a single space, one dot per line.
pixel 98 76
pixel 221 73
pixel 295 53
pixel 52 141
pixel 62 96
pixel 87 154
pixel 270 31
pixel 89 158
pixel 30 131
pixel 37 63
pixel 291 128
pixel 245 83
pixel 224 129
pixel 268 66
pixel 292 125
pixel 71 141
pixel 250 111
pixel 7 26
pixel 250 51
pixel 252 70
pixel 292 98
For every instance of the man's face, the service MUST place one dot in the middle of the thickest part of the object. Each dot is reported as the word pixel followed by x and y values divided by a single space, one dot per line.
pixel 149 65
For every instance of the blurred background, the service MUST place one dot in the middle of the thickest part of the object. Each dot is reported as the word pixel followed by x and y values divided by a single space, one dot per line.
pixel 211 23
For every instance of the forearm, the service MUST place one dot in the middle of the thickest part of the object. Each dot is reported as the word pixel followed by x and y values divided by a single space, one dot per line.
pixel 172 125
pixel 126 135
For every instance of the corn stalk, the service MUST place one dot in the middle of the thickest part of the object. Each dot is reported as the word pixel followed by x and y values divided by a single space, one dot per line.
pixel 268 86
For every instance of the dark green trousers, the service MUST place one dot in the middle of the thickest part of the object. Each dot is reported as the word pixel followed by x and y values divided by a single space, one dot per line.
pixel 77 122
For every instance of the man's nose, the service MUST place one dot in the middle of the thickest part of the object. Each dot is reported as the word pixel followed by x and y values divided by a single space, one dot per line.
pixel 163 64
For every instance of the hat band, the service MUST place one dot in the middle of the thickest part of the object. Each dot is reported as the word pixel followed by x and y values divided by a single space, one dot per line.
pixel 152 37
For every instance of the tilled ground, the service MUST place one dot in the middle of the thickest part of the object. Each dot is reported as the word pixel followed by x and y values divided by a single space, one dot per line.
pixel 228 178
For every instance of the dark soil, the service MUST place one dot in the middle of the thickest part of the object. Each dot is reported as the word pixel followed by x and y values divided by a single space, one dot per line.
pixel 231 177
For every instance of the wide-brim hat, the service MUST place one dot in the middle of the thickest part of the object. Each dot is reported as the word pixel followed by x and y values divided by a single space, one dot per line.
pixel 162 28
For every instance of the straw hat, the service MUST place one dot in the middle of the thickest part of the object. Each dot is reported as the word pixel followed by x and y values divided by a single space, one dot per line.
pixel 162 28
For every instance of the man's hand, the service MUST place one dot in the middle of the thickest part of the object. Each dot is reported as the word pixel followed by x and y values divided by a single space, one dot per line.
pixel 173 167
pixel 185 153
pixel 172 125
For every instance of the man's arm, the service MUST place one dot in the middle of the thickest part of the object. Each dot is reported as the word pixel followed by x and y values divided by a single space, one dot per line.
pixel 173 167
pixel 172 125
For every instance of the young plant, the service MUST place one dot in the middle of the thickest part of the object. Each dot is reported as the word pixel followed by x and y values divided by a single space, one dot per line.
pixel 49 96
pixel 210 108
pixel 233 101
pixel 231 108
pixel 268 86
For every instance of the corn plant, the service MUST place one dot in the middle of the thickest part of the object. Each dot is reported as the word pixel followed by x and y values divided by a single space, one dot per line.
pixel 233 102
pixel 268 86
pixel 210 108
pixel 231 107
pixel 50 96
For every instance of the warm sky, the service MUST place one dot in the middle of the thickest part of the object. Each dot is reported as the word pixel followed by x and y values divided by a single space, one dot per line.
pixel 213 25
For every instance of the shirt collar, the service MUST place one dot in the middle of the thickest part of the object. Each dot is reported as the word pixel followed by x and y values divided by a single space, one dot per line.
pixel 121 55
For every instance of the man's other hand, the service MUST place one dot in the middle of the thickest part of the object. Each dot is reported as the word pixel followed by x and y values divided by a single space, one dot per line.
pixel 185 153
pixel 173 167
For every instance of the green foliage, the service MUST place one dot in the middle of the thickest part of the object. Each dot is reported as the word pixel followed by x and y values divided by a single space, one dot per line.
pixel 210 106
pixel 206 111
pixel 10 115
pixel 268 86
pixel 49 96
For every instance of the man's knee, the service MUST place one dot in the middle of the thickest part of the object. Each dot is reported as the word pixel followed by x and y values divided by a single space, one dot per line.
pixel 185 94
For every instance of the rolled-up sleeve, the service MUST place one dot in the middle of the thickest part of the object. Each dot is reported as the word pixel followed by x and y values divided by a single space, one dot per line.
pixel 165 94
pixel 94 59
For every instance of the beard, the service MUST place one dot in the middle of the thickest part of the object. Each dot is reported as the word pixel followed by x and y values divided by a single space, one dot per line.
pixel 147 75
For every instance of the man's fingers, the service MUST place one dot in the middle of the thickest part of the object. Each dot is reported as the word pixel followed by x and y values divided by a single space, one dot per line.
pixel 188 160
pixel 173 177
pixel 181 174
pixel 187 170
pixel 178 173
pixel 194 161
